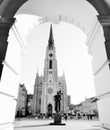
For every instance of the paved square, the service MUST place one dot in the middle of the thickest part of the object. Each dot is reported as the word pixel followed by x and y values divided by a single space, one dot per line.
pixel 34 124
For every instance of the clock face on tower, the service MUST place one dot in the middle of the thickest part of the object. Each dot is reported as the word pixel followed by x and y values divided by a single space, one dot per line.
pixel 50 55
pixel 50 90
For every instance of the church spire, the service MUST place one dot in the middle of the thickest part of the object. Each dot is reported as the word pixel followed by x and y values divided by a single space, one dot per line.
pixel 37 72
pixel 51 40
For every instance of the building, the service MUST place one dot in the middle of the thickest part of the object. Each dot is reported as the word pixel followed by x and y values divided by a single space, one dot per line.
pixel 21 101
pixel 30 104
pixel 69 100
pixel 88 106
pixel 47 85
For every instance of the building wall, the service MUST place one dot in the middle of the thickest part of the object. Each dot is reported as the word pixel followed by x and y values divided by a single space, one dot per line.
pixel 87 106
pixel 21 100
pixel 69 100
pixel 37 94
pixel 39 90
pixel 30 105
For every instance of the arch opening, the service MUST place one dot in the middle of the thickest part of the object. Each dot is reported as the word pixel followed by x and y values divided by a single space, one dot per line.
pixel 62 44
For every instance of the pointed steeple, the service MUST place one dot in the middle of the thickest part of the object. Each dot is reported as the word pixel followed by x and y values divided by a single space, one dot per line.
pixel 51 40
pixel 37 74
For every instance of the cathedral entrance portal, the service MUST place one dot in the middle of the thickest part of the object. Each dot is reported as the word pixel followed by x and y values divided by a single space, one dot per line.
pixel 49 110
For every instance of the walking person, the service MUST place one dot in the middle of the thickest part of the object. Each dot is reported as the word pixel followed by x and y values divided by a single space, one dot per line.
pixel 88 116
pixel 65 117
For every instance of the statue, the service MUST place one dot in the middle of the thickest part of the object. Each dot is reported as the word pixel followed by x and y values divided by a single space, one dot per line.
pixel 57 117
pixel 57 99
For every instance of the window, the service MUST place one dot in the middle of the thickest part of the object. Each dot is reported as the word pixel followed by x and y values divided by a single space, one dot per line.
pixel 59 83
pixel 40 101
pixel 50 64
pixel 40 83
pixel 50 55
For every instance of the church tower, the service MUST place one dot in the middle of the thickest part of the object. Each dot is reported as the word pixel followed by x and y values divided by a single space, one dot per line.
pixel 50 67
pixel 47 85
pixel 50 77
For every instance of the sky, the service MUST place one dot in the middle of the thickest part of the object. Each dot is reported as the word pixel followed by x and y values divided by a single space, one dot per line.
pixel 71 53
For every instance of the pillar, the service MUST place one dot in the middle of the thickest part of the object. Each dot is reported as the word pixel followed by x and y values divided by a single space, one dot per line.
pixel 98 47
pixel 104 96
pixel 5 25
pixel 105 22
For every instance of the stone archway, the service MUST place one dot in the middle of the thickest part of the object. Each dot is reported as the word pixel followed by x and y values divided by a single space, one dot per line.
pixel 101 66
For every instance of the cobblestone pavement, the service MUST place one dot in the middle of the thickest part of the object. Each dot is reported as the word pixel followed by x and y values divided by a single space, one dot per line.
pixel 35 124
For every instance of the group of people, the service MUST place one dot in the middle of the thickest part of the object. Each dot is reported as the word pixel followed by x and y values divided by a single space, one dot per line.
pixel 88 116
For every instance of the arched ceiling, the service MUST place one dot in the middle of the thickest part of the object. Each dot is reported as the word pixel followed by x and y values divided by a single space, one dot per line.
pixel 77 12
pixel 82 13
pixel 55 7
pixel 102 6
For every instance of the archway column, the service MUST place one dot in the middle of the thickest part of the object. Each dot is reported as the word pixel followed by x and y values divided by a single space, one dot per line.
pixel 102 78
pixel 5 25
pixel 105 22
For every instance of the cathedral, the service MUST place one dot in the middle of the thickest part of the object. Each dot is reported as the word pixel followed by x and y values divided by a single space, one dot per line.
pixel 47 86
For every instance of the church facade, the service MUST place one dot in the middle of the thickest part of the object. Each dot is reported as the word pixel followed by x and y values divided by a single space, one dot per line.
pixel 47 86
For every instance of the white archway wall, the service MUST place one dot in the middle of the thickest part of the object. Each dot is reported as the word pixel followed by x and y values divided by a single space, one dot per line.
pixel 10 79
pixel 100 62
pixel 12 64
pixel 101 71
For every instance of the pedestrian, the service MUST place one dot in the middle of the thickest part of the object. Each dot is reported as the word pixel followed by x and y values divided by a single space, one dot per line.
pixel 84 116
pixel 78 115
pixel 65 117
pixel 88 116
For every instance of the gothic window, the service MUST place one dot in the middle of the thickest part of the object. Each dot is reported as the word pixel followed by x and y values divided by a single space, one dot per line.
pixel 40 83
pixel 50 64
pixel 50 72
pixel 59 83
pixel 50 55
pixel 40 101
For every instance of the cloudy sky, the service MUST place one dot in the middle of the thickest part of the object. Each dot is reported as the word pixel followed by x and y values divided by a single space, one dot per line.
pixel 71 53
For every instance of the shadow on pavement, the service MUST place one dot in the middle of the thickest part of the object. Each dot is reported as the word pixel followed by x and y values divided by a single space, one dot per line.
pixel 32 126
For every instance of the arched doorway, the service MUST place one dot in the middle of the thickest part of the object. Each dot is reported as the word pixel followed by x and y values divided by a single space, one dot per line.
pixel 49 110
pixel 101 66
